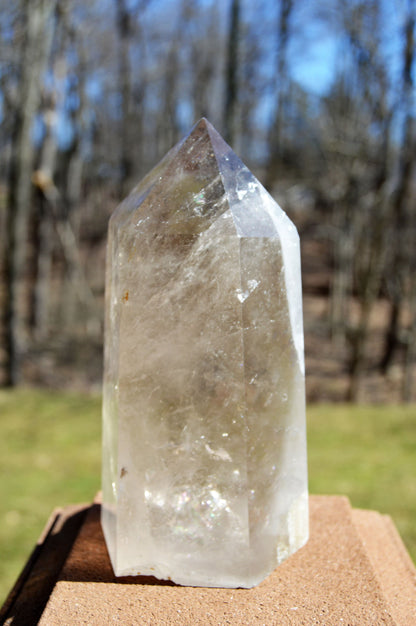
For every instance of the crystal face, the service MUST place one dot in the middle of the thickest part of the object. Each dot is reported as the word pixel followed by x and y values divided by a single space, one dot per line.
pixel 204 446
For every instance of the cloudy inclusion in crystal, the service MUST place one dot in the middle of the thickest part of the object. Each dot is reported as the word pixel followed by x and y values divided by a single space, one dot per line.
pixel 204 447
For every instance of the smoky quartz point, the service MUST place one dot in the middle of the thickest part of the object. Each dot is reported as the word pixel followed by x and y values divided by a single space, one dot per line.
pixel 204 445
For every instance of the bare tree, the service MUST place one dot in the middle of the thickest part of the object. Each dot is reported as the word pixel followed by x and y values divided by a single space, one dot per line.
pixel 38 16
pixel 358 146
pixel 205 67
pixel 398 276
pixel 125 31
pixel 231 85
pixel 277 142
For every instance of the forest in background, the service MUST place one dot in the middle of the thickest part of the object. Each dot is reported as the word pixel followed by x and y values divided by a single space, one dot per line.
pixel 93 94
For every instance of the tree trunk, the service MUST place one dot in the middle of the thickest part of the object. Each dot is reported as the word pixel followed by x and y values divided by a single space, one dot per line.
pixel 402 202
pixel 38 29
pixel 282 88
pixel 124 30
pixel 44 244
pixel 231 95
pixel 341 282
pixel 42 291
pixel 410 352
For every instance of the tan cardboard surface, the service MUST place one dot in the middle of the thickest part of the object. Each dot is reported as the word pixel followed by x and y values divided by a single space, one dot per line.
pixel 335 579
pixel 353 571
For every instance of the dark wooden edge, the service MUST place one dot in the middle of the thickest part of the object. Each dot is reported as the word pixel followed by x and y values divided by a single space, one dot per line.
pixel 25 573
pixel 27 599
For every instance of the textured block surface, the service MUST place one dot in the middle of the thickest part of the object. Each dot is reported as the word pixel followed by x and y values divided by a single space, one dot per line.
pixel 354 570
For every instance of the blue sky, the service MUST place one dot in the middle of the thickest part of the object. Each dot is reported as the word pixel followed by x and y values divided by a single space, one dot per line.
pixel 313 52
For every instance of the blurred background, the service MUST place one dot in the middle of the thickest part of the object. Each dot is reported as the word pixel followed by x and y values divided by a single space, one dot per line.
pixel 318 99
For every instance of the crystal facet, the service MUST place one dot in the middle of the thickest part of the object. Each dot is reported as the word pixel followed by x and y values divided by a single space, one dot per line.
pixel 204 447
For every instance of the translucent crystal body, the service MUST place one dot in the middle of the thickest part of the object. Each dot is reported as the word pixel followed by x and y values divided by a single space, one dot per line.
pixel 204 451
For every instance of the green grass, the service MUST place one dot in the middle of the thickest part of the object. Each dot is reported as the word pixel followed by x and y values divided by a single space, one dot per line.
pixel 50 456
pixel 369 454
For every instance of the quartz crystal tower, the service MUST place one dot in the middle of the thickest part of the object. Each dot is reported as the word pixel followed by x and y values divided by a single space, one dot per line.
pixel 204 447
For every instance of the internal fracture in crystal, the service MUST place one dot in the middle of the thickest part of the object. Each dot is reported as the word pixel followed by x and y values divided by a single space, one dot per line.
pixel 204 447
